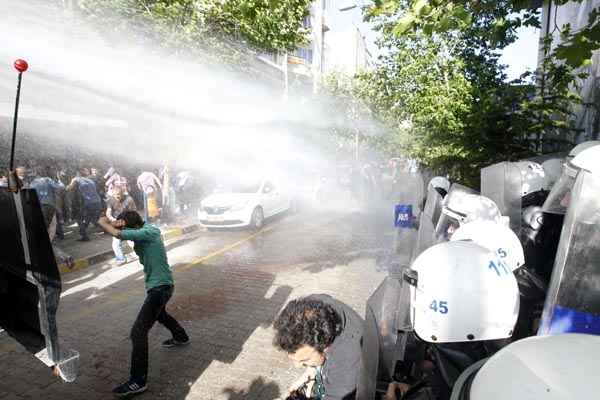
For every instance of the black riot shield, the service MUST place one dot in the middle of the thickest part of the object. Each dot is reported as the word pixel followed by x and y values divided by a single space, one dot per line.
pixel 573 300
pixel 408 206
pixel 502 183
pixel 30 283
pixel 388 337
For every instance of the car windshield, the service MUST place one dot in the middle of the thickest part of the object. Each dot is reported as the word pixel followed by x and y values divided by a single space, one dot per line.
pixel 238 187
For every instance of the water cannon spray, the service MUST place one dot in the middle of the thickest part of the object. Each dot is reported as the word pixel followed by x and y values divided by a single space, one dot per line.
pixel 14 184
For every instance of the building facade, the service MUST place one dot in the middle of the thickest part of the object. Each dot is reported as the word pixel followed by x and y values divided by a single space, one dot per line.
pixel 554 17
pixel 336 44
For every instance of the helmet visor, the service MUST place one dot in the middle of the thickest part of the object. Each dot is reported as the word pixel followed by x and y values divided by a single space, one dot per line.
pixel 448 223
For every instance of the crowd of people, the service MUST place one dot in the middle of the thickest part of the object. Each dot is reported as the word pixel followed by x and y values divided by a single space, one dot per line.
pixel 369 182
pixel 80 196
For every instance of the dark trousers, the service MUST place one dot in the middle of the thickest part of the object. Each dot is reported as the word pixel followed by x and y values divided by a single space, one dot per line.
pixel 152 310
pixel 89 215
pixel 60 221
pixel 48 212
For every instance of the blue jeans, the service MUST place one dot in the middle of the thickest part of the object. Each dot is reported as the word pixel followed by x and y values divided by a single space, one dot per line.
pixel 117 249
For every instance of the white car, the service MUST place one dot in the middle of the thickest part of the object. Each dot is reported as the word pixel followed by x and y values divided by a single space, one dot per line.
pixel 243 204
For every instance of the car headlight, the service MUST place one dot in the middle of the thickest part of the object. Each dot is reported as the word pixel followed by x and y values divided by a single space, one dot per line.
pixel 239 206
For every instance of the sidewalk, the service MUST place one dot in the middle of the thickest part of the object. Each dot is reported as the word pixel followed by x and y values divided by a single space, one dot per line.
pixel 99 248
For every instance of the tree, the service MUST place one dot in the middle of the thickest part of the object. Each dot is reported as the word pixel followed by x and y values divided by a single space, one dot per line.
pixel 503 18
pixel 352 125
pixel 218 30
pixel 442 92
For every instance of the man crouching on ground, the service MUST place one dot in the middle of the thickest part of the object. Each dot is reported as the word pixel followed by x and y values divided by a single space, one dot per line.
pixel 149 247
pixel 323 335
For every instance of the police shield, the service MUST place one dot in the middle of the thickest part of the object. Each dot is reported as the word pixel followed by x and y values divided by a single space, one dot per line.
pixel 30 283
pixel 388 332
pixel 427 222
pixel 573 299
pixel 502 183
pixel 407 209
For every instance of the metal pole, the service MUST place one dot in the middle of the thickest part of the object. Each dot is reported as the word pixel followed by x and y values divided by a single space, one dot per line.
pixel 286 79
pixel 14 135
pixel 356 143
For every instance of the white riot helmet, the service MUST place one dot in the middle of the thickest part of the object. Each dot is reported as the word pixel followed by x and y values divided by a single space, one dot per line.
pixel 462 292
pixel 559 198
pixel 532 177
pixel 440 182
pixel 495 237
pixel 581 147
pixel 561 367
pixel 461 208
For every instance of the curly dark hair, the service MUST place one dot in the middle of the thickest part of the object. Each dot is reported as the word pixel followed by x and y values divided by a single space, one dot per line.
pixel 306 321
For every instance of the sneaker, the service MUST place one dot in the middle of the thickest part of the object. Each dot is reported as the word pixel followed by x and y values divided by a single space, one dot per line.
pixel 175 343
pixel 83 239
pixel 129 388
pixel 122 262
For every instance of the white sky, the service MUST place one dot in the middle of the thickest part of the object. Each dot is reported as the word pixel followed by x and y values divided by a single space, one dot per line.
pixel 521 56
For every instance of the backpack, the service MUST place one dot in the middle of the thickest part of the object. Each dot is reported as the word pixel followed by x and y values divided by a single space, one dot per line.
pixel 87 189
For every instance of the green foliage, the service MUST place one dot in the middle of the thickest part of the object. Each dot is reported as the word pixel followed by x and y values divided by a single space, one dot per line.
pixel 442 93
pixel 222 30
pixel 503 18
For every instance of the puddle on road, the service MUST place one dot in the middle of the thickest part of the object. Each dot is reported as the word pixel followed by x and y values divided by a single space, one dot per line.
pixel 198 306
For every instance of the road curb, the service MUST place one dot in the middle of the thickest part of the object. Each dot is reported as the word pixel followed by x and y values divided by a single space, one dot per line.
pixel 85 262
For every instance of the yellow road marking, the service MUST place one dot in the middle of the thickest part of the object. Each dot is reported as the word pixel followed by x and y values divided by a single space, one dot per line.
pixel 200 260
pixel 79 264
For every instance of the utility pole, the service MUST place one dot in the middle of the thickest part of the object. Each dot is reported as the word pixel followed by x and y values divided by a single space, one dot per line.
pixel 286 78
pixel 317 63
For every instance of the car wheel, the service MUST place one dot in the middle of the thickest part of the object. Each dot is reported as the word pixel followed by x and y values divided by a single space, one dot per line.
pixel 258 218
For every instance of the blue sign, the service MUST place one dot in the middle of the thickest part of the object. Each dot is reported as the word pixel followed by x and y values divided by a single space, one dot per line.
pixel 403 216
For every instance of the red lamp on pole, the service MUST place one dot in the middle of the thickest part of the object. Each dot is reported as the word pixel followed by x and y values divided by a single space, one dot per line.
pixel 21 66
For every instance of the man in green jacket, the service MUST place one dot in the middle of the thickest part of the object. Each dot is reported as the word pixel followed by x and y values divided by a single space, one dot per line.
pixel 149 247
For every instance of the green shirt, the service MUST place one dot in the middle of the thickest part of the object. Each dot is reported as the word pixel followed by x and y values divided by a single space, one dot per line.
pixel 149 247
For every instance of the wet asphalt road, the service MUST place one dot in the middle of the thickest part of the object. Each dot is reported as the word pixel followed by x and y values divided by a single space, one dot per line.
pixel 230 284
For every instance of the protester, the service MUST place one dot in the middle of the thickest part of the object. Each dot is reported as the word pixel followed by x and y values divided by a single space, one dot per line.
pixel 159 289
pixel 47 191
pixel 116 205
pixel 91 203
pixel 99 182
pixel 149 184
pixel 115 182
pixel 165 176
pixel 21 173
pixel 323 335
pixel 184 192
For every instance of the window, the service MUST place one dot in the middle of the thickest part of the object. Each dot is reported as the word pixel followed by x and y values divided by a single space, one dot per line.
pixel 305 54
pixel 306 22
